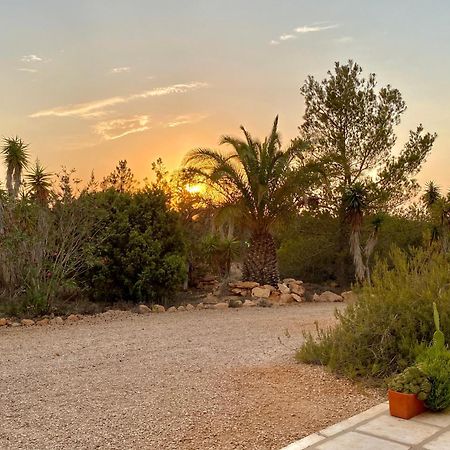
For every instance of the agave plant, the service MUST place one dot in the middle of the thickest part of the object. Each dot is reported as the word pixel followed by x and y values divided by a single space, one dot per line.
pixel 256 184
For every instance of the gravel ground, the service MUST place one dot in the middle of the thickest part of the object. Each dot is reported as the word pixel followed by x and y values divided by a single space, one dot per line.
pixel 196 380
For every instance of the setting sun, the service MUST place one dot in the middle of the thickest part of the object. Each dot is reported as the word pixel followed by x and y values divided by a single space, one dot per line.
pixel 194 188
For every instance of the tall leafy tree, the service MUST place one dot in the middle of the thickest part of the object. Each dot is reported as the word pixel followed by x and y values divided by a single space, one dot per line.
pixel 256 184
pixel 350 124
pixel 121 179
pixel 15 154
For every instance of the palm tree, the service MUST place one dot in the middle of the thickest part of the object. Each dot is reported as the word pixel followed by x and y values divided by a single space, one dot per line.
pixel 438 207
pixel 256 183
pixel 39 183
pixel 16 158
pixel 354 204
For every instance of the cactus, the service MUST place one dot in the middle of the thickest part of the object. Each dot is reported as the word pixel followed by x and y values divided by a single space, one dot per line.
pixel 411 381
pixel 438 336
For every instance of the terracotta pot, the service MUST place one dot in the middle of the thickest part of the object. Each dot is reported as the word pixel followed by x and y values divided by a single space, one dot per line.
pixel 404 406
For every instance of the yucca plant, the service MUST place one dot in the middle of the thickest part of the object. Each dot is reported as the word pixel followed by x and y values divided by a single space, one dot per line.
pixel 256 184
pixel 39 183
pixel 15 153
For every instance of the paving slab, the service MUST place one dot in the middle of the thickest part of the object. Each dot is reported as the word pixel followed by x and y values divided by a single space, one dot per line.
pixel 442 442
pixel 354 440
pixel 400 430
pixel 441 419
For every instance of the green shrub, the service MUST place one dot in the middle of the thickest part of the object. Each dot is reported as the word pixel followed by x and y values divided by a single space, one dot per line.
pixel 411 381
pixel 385 330
pixel 139 251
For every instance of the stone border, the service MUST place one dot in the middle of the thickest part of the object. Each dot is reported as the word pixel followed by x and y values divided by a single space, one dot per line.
pixel 338 428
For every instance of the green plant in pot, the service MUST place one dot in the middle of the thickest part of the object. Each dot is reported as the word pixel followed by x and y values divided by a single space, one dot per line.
pixel 434 361
pixel 407 393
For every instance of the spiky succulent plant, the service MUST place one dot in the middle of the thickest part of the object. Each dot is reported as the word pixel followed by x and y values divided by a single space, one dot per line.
pixel 411 381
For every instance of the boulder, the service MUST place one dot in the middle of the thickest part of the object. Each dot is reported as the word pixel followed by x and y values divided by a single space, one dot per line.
pixel 327 296
pixel 297 289
pixel 286 298
pixel 181 308
pixel 244 285
pixel 57 321
pixel 43 322
pixel 349 297
pixel 72 318
pixel 3 322
pixel 268 286
pixel 274 297
pixel 189 307
pixel 249 303
pixel 15 324
pixel 158 309
pixel 27 322
pixel 172 309
pixel 233 302
pixel 289 280
pixel 242 292
pixel 297 298
pixel 200 306
pixel 261 292
pixel 143 309
pixel 283 288
pixel 221 305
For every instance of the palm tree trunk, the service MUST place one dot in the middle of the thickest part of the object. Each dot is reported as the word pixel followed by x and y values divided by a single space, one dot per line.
pixel 261 262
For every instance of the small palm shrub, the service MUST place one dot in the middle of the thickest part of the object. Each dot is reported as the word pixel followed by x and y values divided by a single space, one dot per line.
pixel 384 332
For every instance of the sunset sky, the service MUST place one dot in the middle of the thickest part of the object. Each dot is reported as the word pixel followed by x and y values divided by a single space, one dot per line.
pixel 89 82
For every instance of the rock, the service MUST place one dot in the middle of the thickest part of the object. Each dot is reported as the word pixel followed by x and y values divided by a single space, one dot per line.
pixel 289 280
pixel 244 284
pixel 43 322
pixel 286 298
pixel 15 324
pixel 249 303
pixel 144 309
pixel 234 302
pixel 189 307
pixel 268 286
pixel 221 305
pixel 242 292
pixel 297 298
pixel 27 322
pixel 57 321
pixel 3 322
pixel 297 289
pixel 72 318
pixel 158 309
pixel 172 309
pixel 275 297
pixel 283 288
pixel 349 297
pixel 181 308
pixel 200 306
pixel 327 296
pixel 261 292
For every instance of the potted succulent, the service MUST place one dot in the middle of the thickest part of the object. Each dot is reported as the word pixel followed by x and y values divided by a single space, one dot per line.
pixel 407 393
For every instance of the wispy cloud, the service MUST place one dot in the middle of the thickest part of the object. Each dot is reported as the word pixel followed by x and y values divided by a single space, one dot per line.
pixel 302 30
pixel 117 128
pixel 120 69
pixel 26 69
pixel 185 120
pixel 314 29
pixel 31 58
pixel 97 108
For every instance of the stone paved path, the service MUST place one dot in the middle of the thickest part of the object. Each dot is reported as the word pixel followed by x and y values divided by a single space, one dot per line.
pixel 375 429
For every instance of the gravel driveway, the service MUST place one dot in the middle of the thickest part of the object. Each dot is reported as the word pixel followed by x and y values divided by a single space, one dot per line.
pixel 194 380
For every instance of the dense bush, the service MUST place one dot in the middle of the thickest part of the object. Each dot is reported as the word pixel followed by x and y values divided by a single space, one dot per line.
pixel 139 251
pixel 384 332
pixel 309 244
